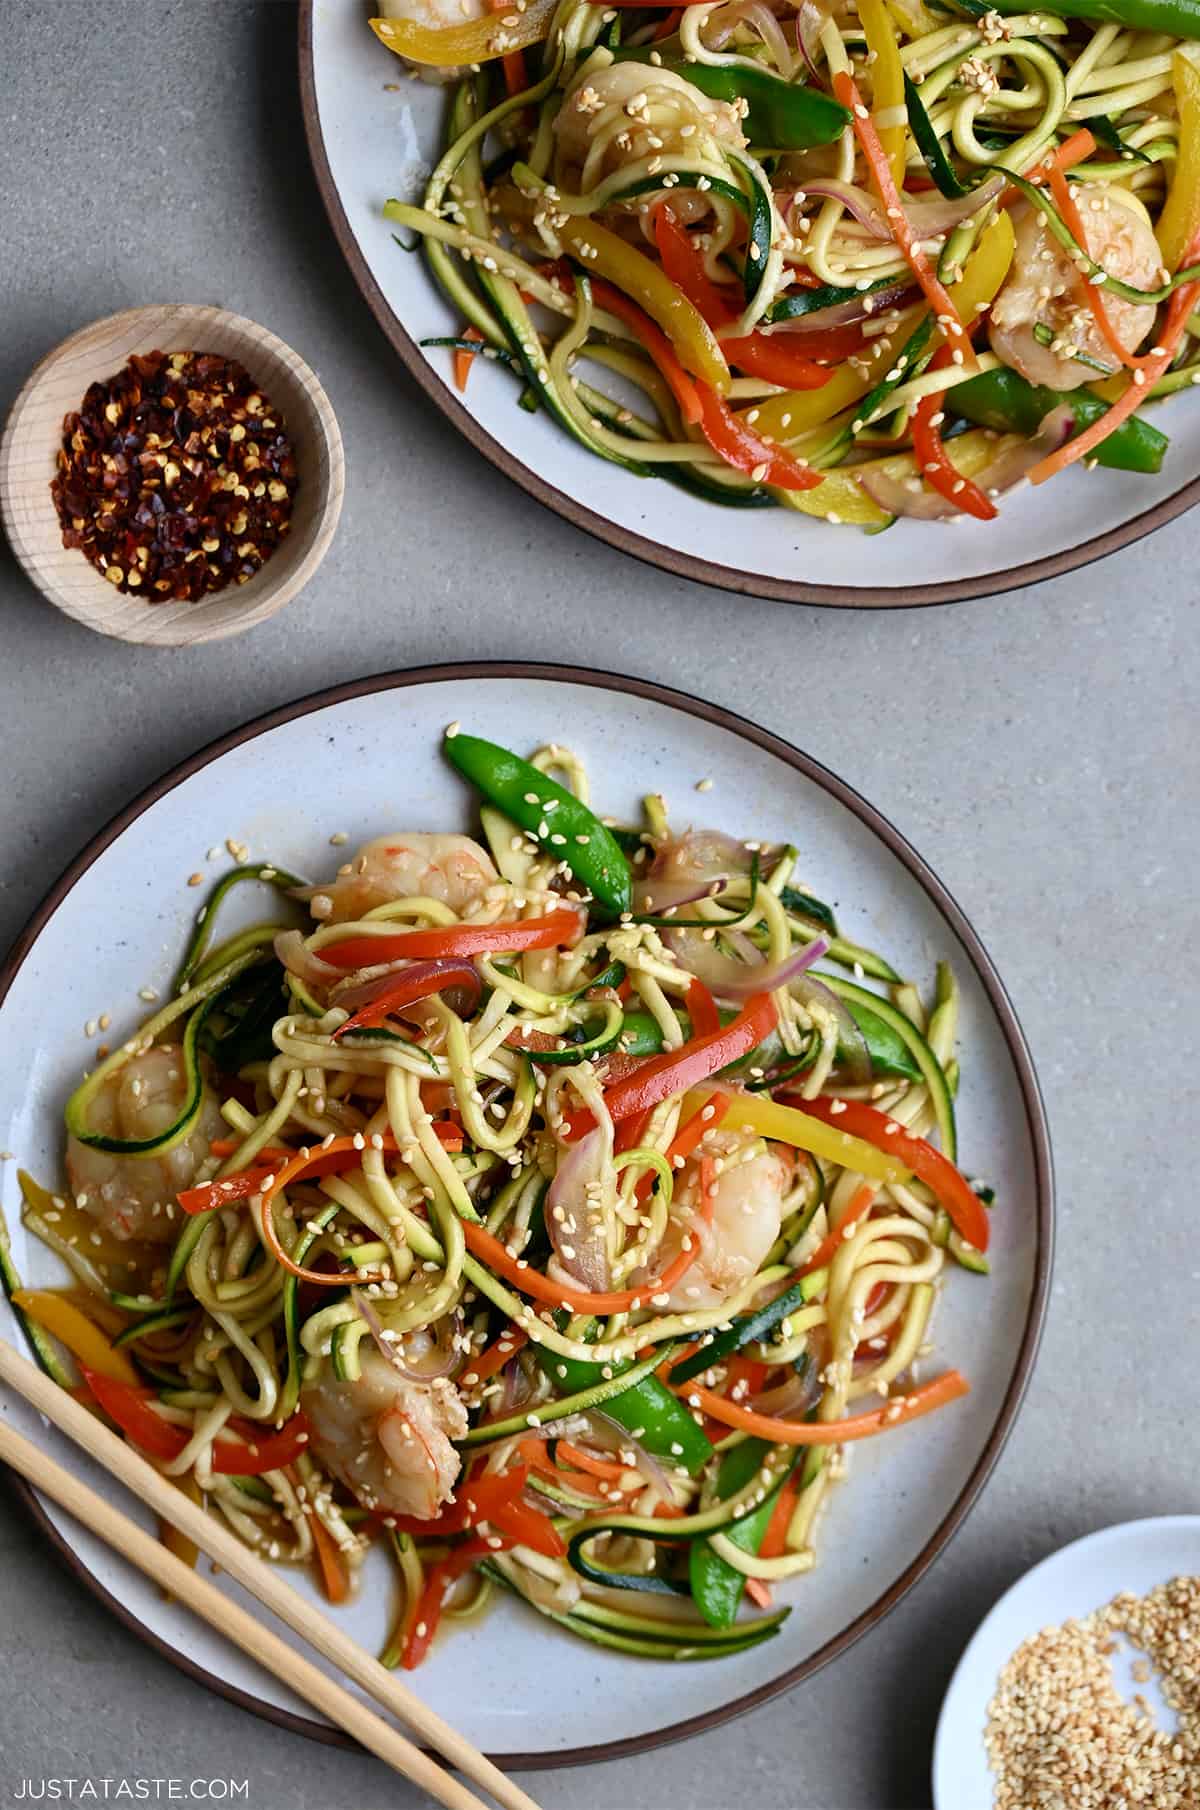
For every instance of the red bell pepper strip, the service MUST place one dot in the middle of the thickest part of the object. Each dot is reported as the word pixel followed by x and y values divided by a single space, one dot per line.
pixel 496 1501
pixel 743 449
pixel 776 358
pixel 424 1624
pixel 700 406
pixel 963 1205
pixel 683 387
pixel 403 990
pixel 702 1008
pixel 945 312
pixel 457 939
pixel 676 1070
pixel 933 459
pixel 132 1409
pixel 221 1193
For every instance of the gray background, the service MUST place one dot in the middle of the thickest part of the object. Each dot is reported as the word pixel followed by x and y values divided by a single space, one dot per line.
pixel 1039 748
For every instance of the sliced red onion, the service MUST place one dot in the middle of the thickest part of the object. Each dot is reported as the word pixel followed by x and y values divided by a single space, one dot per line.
pixel 731 979
pixel 865 306
pixel 928 219
pixel 462 995
pixel 1013 462
pixel 622 1442
pixel 794 1396
pixel 809 20
pixel 298 959
pixel 515 1390
pixel 444 1343
pixel 854 1055
pixel 702 855
pixel 658 897
pixel 579 1236
pixel 771 32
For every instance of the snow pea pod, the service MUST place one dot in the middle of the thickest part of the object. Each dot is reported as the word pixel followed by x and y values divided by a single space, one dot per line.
pixel 648 1409
pixel 717 1586
pixel 548 812
pixel 1003 399
pixel 783 116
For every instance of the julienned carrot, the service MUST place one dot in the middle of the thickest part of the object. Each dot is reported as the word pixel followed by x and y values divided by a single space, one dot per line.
pixel 496 1356
pixel 463 360
pixel 775 1539
pixel 830 1245
pixel 334 1575
pixel 578 1459
pixel 922 1400
pixel 1092 296
pixel 936 295
pixel 513 65
pixel 501 1261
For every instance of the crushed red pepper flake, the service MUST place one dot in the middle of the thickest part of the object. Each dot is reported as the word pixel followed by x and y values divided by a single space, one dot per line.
pixel 175 476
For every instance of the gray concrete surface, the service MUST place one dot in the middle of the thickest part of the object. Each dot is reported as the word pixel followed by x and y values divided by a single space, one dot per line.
pixel 1040 748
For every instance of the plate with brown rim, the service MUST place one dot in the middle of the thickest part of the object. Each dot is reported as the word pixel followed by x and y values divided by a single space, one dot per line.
pixel 369 754
pixel 373 135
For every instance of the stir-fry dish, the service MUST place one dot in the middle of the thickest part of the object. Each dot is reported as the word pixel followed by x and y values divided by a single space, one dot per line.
pixel 555 1208
pixel 861 258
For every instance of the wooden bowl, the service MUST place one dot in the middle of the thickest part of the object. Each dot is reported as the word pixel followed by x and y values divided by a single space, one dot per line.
pixel 33 436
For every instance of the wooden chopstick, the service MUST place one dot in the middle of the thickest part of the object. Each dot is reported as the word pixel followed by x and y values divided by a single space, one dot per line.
pixel 212 1537
pixel 188 1587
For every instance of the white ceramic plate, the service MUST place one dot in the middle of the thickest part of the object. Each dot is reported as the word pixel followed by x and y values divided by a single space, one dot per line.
pixel 369 143
pixel 366 759
pixel 1136 1556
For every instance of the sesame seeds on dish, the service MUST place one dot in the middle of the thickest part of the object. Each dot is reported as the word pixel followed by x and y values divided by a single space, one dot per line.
pixel 1061 1737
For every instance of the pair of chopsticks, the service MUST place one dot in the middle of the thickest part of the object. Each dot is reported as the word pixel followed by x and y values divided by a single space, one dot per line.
pixel 181 1582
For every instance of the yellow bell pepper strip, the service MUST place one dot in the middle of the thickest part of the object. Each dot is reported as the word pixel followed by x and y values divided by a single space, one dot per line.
pixel 474 41
pixel 887 81
pixel 936 294
pixel 795 412
pixel 602 253
pixel 82 1338
pixel 844 496
pixel 787 1125
pixel 1179 221
pixel 169 1535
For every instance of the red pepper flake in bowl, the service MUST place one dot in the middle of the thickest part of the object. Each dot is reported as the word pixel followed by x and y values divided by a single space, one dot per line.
pixel 175 477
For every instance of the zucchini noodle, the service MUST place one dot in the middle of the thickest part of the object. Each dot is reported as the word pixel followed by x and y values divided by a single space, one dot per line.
pixel 537 1213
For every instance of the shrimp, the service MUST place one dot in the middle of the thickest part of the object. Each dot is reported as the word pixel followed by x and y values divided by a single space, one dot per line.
pixel 628 111
pixel 408 864
pixel 134 1196
pixel 1042 289
pixel 435 15
pixel 386 1438
pixel 747 1212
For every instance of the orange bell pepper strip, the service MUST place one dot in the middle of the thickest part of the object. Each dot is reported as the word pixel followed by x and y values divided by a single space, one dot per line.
pixel 948 320
pixel 935 462
pixel 935 1170
pixel 948 1387
pixel 559 927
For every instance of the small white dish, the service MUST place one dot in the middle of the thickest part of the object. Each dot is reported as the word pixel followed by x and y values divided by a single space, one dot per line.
pixel 1135 1556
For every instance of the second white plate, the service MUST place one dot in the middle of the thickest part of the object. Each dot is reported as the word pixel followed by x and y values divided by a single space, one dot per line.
pixel 364 760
